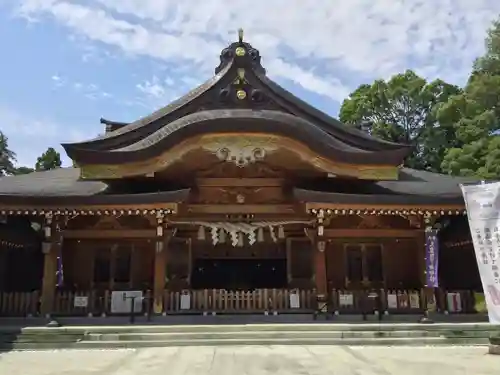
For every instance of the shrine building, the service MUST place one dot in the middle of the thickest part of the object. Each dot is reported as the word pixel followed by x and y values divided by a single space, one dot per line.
pixel 238 195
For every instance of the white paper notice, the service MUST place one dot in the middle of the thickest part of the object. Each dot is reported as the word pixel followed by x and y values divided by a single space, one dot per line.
pixel 185 301
pixel 483 210
pixel 294 301
pixel 392 301
pixel 346 300
pixel 414 300
pixel 81 301
pixel 121 301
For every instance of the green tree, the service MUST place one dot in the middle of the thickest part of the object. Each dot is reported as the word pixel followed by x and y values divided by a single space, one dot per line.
pixel 7 156
pixel 402 110
pixel 22 170
pixel 50 159
pixel 474 115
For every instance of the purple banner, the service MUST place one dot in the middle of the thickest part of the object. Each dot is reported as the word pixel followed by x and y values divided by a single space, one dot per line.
pixel 431 258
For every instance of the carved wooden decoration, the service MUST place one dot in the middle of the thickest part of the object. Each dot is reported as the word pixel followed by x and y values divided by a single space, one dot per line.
pixel 239 195
pixel 372 222
pixel 415 221
pixel 108 222
pixel 256 170
pixel 82 222
pixel 138 222
pixel 123 223
pixel 241 150
pixel 369 222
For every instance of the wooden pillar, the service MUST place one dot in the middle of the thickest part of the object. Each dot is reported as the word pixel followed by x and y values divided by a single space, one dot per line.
pixel 159 266
pixel 320 268
pixel 159 276
pixel 49 278
pixel 420 240
pixel 50 248
pixel 319 247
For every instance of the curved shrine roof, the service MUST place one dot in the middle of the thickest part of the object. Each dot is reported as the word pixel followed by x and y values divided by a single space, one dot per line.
pixel 239 91
pixel 244 121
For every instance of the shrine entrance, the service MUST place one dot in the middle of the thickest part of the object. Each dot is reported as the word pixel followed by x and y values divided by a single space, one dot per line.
pixel 262 265
pixel 239 274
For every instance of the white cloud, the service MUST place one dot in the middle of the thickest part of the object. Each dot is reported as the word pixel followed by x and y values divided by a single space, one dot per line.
pixel 152 88
pixel 327 47
pixel 88 90
pixel 30 136
pixel 338 40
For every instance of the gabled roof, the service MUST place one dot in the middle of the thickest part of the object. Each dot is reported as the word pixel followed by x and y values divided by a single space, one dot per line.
pixel 412 188
pixel 62 186
pixel 239 91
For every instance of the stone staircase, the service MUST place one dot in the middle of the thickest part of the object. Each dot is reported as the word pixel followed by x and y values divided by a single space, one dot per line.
pixel 129 336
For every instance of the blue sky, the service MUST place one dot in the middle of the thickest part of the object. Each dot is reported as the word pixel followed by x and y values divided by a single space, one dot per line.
pixel 67 63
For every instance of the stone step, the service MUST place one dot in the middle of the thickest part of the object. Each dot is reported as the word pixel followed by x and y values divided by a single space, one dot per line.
pixel 159 336
pixel 428 341
pixel 280 341
pixel 331 327
pixel 254 334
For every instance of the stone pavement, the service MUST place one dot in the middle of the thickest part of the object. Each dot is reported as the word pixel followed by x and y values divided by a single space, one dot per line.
pixel 256 360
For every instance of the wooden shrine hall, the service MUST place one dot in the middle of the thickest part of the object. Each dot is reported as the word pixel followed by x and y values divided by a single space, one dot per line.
pixel 240 196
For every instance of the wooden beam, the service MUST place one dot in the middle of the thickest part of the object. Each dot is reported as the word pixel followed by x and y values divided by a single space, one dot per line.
pixel 108 233
pixel 93 207
pixel 373 233
pixel 240 182
pixel 231 209
pixel 363 207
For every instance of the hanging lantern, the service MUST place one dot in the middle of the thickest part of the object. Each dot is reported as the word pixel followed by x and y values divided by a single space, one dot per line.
pixel 201 233
pixel 281 232
pixel 260 235
pixel 240 240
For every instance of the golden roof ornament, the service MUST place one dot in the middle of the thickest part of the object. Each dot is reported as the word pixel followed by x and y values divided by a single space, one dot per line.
pixel 240 51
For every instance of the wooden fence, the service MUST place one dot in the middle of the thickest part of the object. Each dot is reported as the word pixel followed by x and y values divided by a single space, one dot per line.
pixel 260 300
pixel 69 303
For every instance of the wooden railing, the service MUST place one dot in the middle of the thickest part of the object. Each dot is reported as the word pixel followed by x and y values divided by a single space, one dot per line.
pixel 256 301
pixel 19 303
pixel 260 300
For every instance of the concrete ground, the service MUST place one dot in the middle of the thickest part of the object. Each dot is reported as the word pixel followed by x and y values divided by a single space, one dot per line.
pixel 256 360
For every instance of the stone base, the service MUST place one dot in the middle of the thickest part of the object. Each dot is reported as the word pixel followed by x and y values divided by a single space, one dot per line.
pixel 494 349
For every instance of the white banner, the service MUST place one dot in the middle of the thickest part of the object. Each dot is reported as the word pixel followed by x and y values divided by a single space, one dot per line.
pixel 483 210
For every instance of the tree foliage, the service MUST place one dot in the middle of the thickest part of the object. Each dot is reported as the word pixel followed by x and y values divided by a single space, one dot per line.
pixel 452 130
pixel 22 170
pixel 402 110
pixel 50 159
pixel 475 113
pixel 7 156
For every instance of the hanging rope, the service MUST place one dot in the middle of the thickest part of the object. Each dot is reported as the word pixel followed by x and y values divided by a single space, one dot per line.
pixel 219 229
